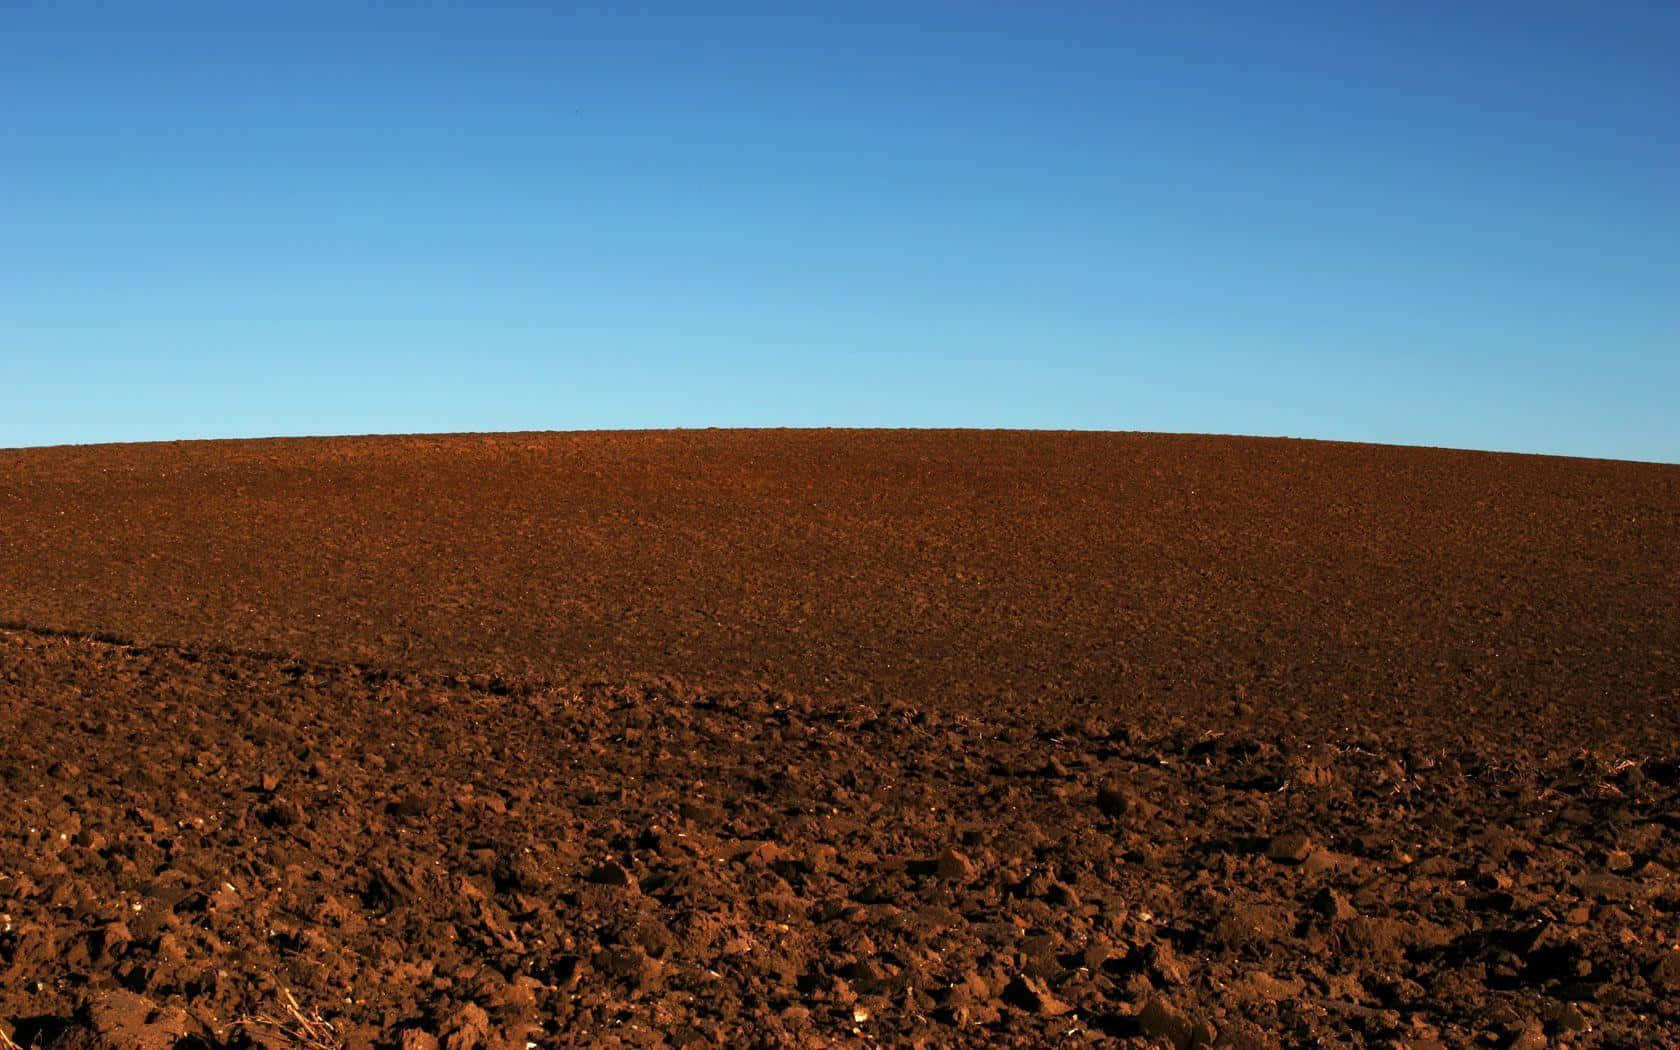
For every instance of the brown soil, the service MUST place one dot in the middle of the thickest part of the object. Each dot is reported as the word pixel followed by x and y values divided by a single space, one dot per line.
pixel 725 738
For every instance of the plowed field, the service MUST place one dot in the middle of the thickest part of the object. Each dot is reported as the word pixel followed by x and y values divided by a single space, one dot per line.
pixel 837 737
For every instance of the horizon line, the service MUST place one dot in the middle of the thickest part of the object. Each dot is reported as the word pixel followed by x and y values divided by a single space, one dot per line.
pixel 1095 431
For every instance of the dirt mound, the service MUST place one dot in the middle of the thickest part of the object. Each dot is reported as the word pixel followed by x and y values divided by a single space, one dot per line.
pixel 207 849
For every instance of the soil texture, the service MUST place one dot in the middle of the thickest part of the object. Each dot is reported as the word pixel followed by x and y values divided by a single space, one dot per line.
pixel 837 738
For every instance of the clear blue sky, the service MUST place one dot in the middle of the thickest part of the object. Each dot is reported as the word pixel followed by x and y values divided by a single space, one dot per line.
pixel 1426 223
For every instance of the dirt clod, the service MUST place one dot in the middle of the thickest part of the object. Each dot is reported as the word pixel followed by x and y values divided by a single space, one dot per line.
pixel 1292 848
pixel 1031 994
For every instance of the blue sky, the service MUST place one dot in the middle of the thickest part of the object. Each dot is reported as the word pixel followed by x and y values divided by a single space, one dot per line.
pixel 1434 223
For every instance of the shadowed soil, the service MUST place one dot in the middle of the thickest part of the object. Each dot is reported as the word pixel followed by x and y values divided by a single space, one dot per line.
pixel 727 738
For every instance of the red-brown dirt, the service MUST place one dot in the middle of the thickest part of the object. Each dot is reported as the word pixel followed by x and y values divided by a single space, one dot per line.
pixel 799 737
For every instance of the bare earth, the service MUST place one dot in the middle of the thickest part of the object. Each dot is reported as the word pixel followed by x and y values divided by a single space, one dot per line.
pixel 805 737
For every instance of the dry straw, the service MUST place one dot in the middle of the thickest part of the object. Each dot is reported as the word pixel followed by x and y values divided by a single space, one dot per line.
pixel 306 1031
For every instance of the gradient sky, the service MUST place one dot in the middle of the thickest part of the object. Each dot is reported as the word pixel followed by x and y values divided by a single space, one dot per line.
pixel 1425 223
